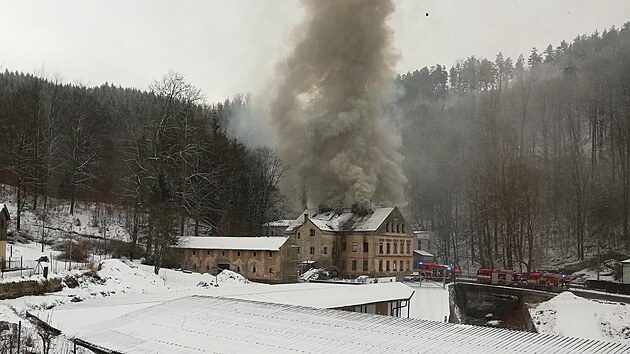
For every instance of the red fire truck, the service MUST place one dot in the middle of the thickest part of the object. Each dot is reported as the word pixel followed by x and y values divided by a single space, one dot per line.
pixel 433 270
pixel 496 276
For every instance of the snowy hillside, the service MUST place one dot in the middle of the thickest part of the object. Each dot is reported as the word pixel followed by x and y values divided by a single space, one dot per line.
pixel 95 219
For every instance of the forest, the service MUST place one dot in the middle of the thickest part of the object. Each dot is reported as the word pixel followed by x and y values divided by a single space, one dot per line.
pixel 525 162
pixel 510 162
pixel 161 156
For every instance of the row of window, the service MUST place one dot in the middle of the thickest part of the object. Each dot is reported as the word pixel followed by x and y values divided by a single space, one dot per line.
pixel 312 250
pixel 394 266
pixel 366 247
pixel 238 269
pixel 395 246
pixel 395 228
pixel 311 232
pixel 238 253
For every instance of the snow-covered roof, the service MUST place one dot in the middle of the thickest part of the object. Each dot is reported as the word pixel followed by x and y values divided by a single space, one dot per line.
pixel 278 223
pixel 626 261
pixel 423 253
pixel 344 220
pixel 233 243
pixel 210 324
pixel 322 295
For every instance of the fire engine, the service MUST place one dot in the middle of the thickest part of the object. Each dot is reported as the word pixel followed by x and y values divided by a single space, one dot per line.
pixel 433 270
pixel 496 276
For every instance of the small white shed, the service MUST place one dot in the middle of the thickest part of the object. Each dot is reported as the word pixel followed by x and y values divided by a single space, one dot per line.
pixel 626 271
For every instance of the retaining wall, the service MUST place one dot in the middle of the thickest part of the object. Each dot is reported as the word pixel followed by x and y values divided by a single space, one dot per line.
pixel 24 287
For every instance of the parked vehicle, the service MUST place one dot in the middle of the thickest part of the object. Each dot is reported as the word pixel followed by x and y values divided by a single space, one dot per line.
pixel 433 270
pixel 497 276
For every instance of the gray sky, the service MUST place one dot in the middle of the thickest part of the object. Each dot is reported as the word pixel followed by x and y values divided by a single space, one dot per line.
pixel 230 46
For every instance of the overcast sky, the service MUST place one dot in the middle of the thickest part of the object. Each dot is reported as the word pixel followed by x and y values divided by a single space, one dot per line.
pixel 229 46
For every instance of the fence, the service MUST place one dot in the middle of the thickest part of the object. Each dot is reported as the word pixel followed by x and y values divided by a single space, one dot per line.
pixel 609 287
pixel 23 267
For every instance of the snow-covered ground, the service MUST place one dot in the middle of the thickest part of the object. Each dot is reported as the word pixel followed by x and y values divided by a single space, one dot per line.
pixel 570 315
pixel 430 301
pixel 116 278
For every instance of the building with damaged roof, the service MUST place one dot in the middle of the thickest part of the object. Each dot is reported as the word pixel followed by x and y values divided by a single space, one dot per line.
pixel 376 242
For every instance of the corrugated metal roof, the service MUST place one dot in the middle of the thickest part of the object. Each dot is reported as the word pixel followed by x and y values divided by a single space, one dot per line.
pixel 266 243
pixel 210 324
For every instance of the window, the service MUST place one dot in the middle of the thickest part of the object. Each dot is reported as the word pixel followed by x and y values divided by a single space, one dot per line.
pixel 387 266
pixel 387 227
pixel 312 250
pixel 365 265
pixel 238 269
pixel 380 266
pixel 270 271
pixel 395 247
pixel 403 228
pixel 408 266
pixel 354 246
pixel 223 253
pixel 354 265
pixel 193 252
pixel 343 245
pixel 254 269
pixel 298 235
pixel 408 246
pixel 312 232
pixel 389 248
pixel 254 254
pixel 401 266
pixel 325 250
pixel 365 246
pixel 270 254
pixel 207 253
pixel 402 246
pixel 380 248
pixel 238 253
pixel 397 227
pixel 394 265
pixel 298 249
pixel 207 267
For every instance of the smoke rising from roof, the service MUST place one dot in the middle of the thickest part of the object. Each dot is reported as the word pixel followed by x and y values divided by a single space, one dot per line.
pixel 327 105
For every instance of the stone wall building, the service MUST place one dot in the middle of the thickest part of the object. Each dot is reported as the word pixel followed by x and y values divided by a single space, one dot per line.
pixel 261 259
pixel 375 243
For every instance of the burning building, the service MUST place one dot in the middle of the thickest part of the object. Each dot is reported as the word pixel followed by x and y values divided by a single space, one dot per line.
pixel 376 242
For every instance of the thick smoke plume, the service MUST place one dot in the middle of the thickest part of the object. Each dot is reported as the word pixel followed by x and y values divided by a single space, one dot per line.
pixel 327 105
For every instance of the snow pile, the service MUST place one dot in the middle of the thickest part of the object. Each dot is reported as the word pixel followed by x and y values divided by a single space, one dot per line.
pixel 570 315
pixel 311 274
pixel 228 276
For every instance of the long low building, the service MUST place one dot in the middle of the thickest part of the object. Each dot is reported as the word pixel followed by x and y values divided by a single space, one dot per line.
pixel 73 319
pixel 261 259
pixel 203 324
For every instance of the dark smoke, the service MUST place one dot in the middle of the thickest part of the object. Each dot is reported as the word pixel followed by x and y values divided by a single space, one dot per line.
pixel 327 108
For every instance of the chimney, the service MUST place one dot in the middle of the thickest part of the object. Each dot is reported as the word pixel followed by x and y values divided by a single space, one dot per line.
pixel 305 217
